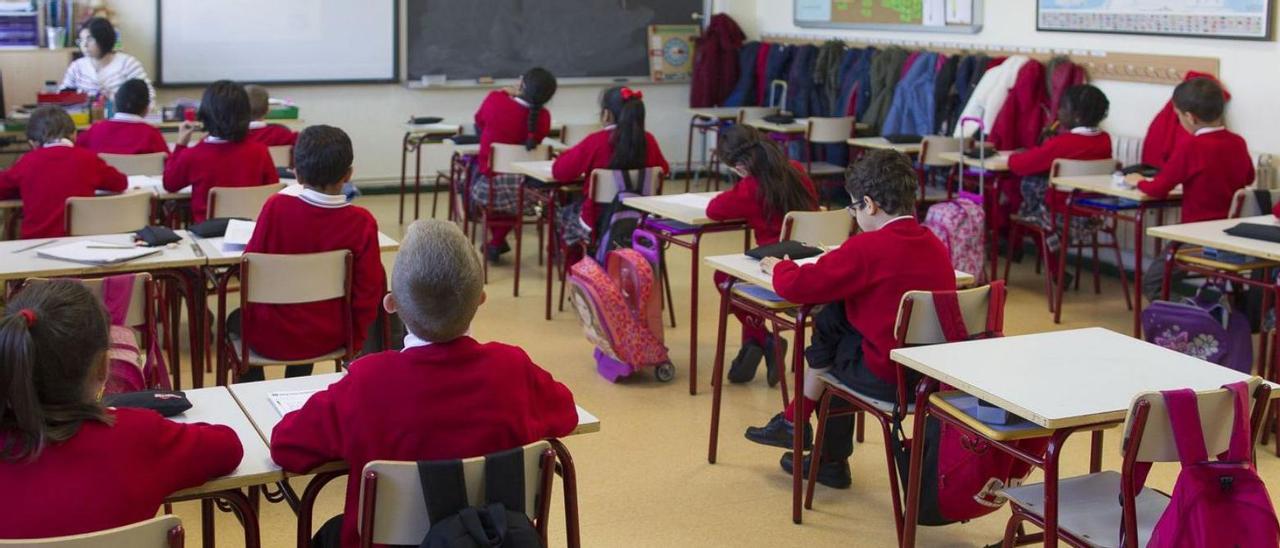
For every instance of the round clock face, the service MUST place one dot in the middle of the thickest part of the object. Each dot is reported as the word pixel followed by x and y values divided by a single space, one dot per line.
pixel 676 51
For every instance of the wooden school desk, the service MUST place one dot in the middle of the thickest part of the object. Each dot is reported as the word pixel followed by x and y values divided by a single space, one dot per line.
pixel 416 135
pixel 541 172
pixel 1065 381
pixel 690 219
pixel 704 120
pixel 746 269
pixel 880 143
pixel 1101 184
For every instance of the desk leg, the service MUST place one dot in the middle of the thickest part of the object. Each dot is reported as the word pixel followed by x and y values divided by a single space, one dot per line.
pixel 1095 452
pixel 911 514
pixel 206 523
pixel 417 177
pixel 1064 243
pixel 797 438
pixel 717 372
pixel 1139 258
pixel 688 157
pixel 552 240
pixel 693 317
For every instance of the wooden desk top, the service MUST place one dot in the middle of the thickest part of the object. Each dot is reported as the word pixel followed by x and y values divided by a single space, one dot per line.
pixel 215 405
pixel 10 204
pixel 16 264
pixel 882 143
pixel 540 170
pixel 998 162
pixel 685 208
pixel 439 129
pixel 1102 184
pixel 1210 234
pixel 715 113
pixel 747 269
pixel 1064 378
pixel 212 249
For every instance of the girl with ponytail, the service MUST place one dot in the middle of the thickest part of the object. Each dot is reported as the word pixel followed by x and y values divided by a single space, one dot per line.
pixel 771 186
pixel 622 144
pixel 68 464
pixel 513 116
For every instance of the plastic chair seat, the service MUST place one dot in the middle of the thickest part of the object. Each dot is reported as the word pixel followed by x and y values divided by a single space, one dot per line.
pixel 1089 508
pixel 259 360
pixel 879 405
pixel 761 296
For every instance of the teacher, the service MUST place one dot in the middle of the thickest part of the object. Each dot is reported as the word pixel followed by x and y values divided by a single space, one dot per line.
pixel 102 70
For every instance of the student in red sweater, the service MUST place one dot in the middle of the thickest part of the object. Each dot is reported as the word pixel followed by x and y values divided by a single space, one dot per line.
pixel 508 116
pixel 69 465
pixel 1082 110
pixel 622 144
pixel 53 171
pixel 317 220
pixel 224 158
pixel 1211 166
pixel 770 187
pixel 260 131
pixel 126 132
pixel 863 281
pixel 445 396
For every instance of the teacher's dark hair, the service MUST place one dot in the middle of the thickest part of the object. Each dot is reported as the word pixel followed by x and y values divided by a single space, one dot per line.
pixel 103 33
pixel 224 110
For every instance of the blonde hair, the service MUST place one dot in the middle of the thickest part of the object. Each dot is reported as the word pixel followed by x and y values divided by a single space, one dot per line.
pixel 259 101
pixel 438 280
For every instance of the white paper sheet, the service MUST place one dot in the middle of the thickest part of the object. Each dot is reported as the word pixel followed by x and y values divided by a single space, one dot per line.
pixel 97 253
pixel 237 235
pixel 960 12
pixel 146 182
pixel 696 201
pixel 288 402
pixel 935 13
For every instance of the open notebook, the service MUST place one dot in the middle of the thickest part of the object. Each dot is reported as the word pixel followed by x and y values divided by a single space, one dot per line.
pixel 96 253
pixel 237 236
pixel 288 402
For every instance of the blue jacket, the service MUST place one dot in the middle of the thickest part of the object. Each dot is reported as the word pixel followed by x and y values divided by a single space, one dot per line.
pixel 744 91
pixel 800 89
pixel 911 111
pixel 776 66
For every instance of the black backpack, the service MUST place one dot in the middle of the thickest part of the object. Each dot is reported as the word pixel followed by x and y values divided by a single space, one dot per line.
pixel 500 522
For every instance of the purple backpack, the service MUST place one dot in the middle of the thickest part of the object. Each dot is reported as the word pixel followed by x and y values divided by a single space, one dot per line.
pixel 1202 327
pixel 1218 502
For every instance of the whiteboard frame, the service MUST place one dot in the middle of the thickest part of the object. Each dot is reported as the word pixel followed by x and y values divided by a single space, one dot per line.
pixel 974 28
pixel 396 77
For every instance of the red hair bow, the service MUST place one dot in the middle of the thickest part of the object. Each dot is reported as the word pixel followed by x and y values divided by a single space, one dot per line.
pixel 629 94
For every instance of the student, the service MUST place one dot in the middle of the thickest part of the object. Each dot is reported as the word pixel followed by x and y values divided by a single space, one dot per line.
pixel 1083 109
pixel 771 187
pixel 53 171
pixel 622 144
pixel 317 220
pixel 448 395
pixel 863 282
pixel 224 158
pixel 260 131
pixel 68 464
pixel 1211 166
pixel 509 116
pixel 126 132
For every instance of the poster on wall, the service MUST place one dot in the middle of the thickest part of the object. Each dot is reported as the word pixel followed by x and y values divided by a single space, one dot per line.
pixel 1232 19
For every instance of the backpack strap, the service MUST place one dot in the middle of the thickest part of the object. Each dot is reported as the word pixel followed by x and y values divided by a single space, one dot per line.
pixel 504 479
pixel 443 487
pixel 1240 447
pixel 947 306
pixel 1184 419
pixel 995 309
pixel 117 293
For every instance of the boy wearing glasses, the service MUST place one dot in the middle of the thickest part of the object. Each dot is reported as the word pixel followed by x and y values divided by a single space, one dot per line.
pixel 863 281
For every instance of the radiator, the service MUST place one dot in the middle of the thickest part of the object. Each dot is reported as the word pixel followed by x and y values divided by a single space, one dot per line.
pixel 1126 149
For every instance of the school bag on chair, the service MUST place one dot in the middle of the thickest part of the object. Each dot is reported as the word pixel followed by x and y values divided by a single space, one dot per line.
pixel 130 368
pixel 959 223
pixel 1218 502
pixel 1203 326
pixel 617 221
pixel 500 522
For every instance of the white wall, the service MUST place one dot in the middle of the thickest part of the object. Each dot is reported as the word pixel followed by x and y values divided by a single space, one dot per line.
pixel 1250 70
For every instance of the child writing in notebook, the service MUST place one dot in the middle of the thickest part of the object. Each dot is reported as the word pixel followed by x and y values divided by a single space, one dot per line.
pixel 1211 166
pixel 224 158
pixel 53 171
pixel 127 132
pixel 259 130
pixel 318 219
pixel 69 465
pixel 862 283
pixel 445 396
pixel 623 144
pixel 508 116
pixel 771 187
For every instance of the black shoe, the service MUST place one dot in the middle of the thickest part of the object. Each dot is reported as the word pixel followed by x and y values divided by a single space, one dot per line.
pixel 778 433
pixel 774 348
pixel 743 368
pixel 833 474
pixel 495 252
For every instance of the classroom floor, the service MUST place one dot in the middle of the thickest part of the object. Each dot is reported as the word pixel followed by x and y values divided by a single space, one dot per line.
pixel 644 479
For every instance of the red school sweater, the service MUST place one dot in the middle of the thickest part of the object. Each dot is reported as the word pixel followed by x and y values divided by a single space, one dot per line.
pixel 870 272
pixel 122 136
pixel 504 119
pixel 312 223
pixel 1211 166
pixel 1078 144
pixel 110 476
pixel 596 152
pixel 214 162
pixel 743 201
pixel 447 400
pixel 272 135
pixel 45 177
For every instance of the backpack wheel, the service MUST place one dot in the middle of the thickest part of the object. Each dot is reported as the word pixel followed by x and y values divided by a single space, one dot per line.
pixel 665 372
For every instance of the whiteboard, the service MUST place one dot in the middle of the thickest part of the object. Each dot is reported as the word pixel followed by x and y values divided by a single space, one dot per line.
pixel 276 41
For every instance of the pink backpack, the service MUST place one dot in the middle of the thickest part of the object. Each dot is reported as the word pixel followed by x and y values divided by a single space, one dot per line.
pixel 958 223
pixel 130 369
pixel 1218 502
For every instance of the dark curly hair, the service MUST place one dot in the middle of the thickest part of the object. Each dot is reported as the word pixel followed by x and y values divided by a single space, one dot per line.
pixel 888 177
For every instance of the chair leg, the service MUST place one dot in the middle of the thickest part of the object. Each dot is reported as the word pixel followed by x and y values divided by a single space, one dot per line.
pixel 1015 238
pixel 815 455
pixel 1012 528
pixel 717 375
pixel 1045 255
pixel 860 426
pixel 892 462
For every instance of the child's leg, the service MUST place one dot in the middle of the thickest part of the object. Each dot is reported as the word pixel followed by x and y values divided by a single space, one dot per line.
pixel 753 329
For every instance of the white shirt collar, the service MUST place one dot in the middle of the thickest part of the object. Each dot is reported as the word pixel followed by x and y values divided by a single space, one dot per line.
pixel 611 127
pixel 896 219
pixel 59 143
pixel 1207 130
pixel 1087 131
pixel 521 101
pixel 212 139
pixel 127 117
pixel 320 199
pixel 412 341
pixel 257 124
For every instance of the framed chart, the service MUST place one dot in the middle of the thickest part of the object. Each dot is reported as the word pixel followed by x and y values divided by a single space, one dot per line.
pixel 1231 19
pixel 946 16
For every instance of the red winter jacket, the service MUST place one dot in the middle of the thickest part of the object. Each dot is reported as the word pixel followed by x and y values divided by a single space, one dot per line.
pixel 1065 75
pixel 1165 132
pixel 1022 117
pixel 715 64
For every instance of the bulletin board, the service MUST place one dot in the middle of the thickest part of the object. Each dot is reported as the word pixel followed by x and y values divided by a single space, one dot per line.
pixel 946 16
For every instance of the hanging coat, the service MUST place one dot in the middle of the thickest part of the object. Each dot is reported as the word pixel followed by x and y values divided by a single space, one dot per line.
pixel 1061 74
pixel 1022 117
pixel 912 109
pixel 848 81
pixel 862 90
pixel 826 76
pixel 800 89
pixel 715 67
pixel 1164 133
pixel 744 93
pixel 762 64
pixel 990 94
pixel 943 91
pixel 778 64
pixel 886 70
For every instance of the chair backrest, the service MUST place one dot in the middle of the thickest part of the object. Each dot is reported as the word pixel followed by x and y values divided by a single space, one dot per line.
pixel 157 532
pixel 981 307
pixel 1157 444
pixel 1245 202
pixel 818 227
pixel 504 155
pixel 604 183
pixel 933 146
pixel 829 130
pixel 282 155
pixel 137 313
pixel 239 201
pixel 1079 168
pixel 755 114
pixel 395 507
pixel 108 214
pixel 136 164
pixel 572 134
pixel 293 279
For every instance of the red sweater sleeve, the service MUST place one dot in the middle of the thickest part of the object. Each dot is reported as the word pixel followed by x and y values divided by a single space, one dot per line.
pixel 738 202
pixel 552 413
pixel 311 436
pixel 1177 169
pixel 204 451
pixel 574 162
pixel 109 178
pixel 369 285
pixel 830 279
pixel 175 171
pixel 1035 161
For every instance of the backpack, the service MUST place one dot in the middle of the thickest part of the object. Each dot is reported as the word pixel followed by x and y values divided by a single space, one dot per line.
pixel 129 369
pixel 617 222
pixel 1203 326
pixel 1221 502
pixel 958 223
pixel 457 523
